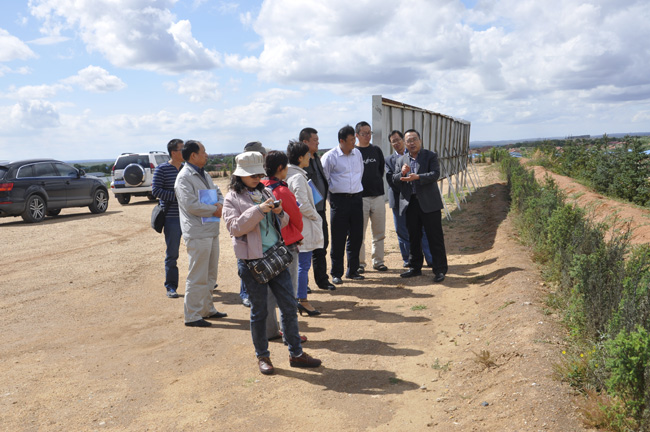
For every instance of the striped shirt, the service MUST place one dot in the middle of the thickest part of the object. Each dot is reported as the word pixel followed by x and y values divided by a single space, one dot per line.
pixel 162 187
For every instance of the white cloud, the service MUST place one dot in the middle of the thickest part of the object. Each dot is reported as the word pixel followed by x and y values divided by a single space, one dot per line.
pixel 227 7
pixel 246 19
pixel 26 93
pixel 198 86
pixel 12 48
pixel 49 40
pixel 35 114
pixel 439 55
pixel 23 70
pixel 136 34
pixel 96 79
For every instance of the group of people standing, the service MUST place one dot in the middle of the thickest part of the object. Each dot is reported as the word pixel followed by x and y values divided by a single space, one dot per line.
pixel 281 196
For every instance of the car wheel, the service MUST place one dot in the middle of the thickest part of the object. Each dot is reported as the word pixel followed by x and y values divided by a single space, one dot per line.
pixel 53 212
pixel 35 209
pixel 100 201
pixel 123 198
pixel 151 197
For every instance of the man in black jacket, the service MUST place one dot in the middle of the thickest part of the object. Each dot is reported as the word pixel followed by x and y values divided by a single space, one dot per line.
pixel 315 173
pixel 416 175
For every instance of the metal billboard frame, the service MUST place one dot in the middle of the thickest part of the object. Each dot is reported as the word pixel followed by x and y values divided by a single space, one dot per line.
pixel 446 135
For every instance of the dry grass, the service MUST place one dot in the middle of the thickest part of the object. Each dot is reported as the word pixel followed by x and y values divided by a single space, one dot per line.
pixel 484 358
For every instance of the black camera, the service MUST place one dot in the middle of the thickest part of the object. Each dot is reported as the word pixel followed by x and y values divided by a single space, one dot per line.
pixel 276 203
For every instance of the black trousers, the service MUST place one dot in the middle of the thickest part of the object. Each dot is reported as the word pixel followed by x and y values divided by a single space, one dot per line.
pixel 416 219
pixel 319 256
pixel 346 219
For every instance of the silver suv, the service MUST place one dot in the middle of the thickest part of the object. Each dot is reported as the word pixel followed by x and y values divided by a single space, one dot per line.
pixel 133 173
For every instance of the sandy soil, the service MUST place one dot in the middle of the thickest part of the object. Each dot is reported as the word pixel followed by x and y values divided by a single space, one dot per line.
pixel 91 342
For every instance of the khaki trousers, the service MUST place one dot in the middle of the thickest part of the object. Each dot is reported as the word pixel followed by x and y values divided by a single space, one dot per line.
pixel 201 276
pixel 374 209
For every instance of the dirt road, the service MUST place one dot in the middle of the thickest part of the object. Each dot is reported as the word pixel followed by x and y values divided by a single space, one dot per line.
pixel 90 342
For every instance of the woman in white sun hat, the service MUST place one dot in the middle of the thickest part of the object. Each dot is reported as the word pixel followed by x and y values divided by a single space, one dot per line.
pixel 254 225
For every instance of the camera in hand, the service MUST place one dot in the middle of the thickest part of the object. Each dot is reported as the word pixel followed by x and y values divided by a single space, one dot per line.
pixel 276 203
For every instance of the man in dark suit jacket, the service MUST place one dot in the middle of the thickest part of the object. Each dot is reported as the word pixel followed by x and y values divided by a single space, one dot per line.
pixel 315 173
pixel 416 175
pixel 396 139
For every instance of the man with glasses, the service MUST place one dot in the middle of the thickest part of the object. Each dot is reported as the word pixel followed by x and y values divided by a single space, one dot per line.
pixel 396 139
pixel 416 176
pixel 374 205
pixel 162 187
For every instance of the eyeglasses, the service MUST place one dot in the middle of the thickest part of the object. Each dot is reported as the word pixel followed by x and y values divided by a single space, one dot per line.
pixel 258 176
pixel 395 141
pixel 365 134
pixel 412 140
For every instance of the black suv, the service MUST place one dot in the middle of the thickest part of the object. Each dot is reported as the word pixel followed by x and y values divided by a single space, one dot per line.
pixel 35 188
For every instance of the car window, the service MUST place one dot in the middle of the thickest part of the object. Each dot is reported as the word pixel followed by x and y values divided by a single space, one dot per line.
pixel 44 169
pixel 3 172
pixel 125 160
pixel 160 159
pixel 66 170
pixel 25 171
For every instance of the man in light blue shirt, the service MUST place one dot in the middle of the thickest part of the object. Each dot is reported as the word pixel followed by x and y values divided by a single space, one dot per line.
pixel 343 169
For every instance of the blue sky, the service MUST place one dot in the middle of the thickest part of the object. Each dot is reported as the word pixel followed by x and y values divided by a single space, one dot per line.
pixel 91 79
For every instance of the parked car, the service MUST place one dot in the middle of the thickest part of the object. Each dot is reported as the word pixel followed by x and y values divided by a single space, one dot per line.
pixel 36 188
pixel 133 173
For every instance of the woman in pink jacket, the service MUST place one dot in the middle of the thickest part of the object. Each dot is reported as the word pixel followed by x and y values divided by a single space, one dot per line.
pixel 254 225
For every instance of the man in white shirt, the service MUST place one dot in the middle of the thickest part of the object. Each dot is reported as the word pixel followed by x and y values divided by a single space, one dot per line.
pixel 343 169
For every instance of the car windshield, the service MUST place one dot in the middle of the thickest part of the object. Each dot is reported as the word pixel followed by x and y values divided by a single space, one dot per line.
pixel 123 161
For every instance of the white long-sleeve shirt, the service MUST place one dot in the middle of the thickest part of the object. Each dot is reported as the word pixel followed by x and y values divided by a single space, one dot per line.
pixel 343 172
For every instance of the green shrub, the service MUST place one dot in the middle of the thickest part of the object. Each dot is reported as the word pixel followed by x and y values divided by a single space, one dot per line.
pixel 604 285
pixel 628 360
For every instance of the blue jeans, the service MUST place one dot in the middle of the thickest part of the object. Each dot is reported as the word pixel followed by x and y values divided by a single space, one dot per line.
pixel 283 293
pixel 304 264
pixel 172 232
pixel 242 294
pixel 403 238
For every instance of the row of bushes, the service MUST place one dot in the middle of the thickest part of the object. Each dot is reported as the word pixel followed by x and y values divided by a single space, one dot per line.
pixel 620 172
pixel 603 291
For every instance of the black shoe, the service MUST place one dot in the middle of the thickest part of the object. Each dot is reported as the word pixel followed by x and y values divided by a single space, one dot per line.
pixel 199 323
pixel 355 276
pixel 336 281
pixel 217 315
pixel 308 290
pixel 380 267
pixel 171 293
pixel 405 265
pixel 439 277
pixel 361 270
pixel 302 309
pixel 327 286
pixel 411 273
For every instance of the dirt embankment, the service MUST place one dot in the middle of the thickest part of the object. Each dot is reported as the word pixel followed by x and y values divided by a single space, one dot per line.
pixel 90 342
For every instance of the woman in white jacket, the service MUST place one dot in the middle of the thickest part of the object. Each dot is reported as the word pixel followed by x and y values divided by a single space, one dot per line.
pixel 312 230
